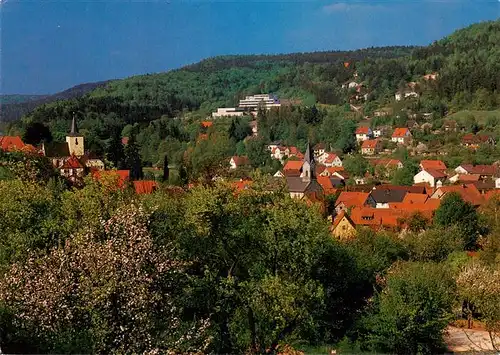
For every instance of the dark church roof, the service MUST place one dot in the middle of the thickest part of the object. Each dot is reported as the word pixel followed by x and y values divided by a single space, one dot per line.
pixel 296 184
pixel 56 150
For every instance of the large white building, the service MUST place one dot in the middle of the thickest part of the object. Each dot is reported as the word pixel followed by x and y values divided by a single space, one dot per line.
pixel 248 105
pixel 263 100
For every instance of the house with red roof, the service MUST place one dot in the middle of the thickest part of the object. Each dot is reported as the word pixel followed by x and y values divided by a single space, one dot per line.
pixel 473 141
pixel 484 171
pixel 206 124
pixel 370 147
pixel 329 159
pixel 143 187
pixel 431 177
pixel 377 218
pixel 319 150
pixel 468 192
pixel 464 178
pixel 432 164
pixel 330 171
pixel 237 162
pixel 14 143
pixel 348 199
pixel 72 169
pixel 343 227
pixel 363 134
pixel 293 168
pixel 401 135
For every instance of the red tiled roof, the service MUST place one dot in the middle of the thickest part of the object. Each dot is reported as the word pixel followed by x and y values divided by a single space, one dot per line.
pixel 489 170
pixel 475 139
pixel 293 165
pixel 242 184
pixel 350 199
pixel 10 143
pixel 376 217
pixel 468 177
pixel 468 192
pixel 432 164
pixel 326 184
pixel 206 124
pixel 370 144
pixel 145 186
pixel 437 174
pixel 72 163
pixel 414 198
pixel 363 130
pixel 400 132
pixel 385 162
pixel 294 150
pixel 330 158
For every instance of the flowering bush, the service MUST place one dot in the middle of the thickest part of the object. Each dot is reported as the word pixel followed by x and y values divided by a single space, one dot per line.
pixel 102 293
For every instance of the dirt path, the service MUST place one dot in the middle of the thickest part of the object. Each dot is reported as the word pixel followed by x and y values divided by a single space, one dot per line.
pixel 468 340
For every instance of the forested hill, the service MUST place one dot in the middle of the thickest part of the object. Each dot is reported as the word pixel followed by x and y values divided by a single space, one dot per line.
pixel 466 66
pixel 325 57
pixel 15 106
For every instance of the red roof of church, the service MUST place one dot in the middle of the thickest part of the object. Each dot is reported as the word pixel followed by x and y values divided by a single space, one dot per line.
pixel 293 165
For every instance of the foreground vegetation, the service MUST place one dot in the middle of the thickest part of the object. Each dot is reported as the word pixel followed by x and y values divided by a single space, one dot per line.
pixel 100 269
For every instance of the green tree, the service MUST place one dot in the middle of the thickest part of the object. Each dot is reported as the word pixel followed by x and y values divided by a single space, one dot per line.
pixel 166 170
pixel 454 211
pixel 36 132
pixel 133 158
pixel 356 165
pixel 257 152
pixel 114 149
pixel 411 314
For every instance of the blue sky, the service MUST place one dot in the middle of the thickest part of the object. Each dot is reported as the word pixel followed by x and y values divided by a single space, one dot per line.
pixel 50 45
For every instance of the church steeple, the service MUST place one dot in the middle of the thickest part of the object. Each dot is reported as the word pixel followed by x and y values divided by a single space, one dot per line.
pixel 74 129
pixel 75 140
pixel 309 164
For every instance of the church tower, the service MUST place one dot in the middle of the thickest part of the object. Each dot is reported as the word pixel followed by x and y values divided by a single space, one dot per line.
pixel 309 165
pixel 75 140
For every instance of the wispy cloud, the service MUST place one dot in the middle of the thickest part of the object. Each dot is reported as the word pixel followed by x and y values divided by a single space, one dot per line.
pixel 354 6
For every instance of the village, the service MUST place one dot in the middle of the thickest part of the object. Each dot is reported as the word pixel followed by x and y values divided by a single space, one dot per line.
pixel 317 175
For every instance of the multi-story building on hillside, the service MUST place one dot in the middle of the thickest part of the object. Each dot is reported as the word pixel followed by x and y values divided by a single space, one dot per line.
pixel 256 101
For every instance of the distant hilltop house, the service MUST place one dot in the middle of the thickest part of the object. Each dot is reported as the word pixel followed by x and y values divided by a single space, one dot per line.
pixel 363 134
pixel 401 135
pixel 473 141
pixel 408 92
pixel 431 76
pixel 249 105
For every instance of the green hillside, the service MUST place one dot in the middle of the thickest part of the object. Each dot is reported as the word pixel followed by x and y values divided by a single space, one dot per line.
pixel 467 63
